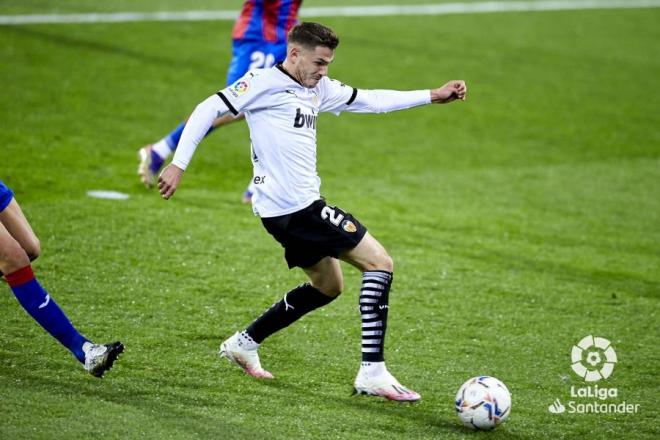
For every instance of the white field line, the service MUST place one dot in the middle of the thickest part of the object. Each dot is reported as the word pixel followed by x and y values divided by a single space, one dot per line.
pixel 347 11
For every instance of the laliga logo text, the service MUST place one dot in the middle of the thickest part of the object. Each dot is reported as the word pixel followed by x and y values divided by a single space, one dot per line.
pixel 593 359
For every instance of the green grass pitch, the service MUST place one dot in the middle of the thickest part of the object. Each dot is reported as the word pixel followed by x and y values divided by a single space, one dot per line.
pixel 519 221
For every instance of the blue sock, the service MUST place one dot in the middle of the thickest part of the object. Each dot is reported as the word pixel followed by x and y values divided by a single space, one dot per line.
pixel 173 138
pixel 38 303
pixel 172 141
pixel 156 162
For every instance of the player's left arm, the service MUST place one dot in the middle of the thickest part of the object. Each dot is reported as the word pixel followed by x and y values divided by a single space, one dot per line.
pixel 383 101
pixel 453 90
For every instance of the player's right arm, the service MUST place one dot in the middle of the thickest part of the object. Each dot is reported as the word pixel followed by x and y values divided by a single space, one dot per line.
pixel 196 128
pixel 233 99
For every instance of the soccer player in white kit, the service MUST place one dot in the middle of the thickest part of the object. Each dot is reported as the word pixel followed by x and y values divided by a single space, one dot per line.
pixel 281 105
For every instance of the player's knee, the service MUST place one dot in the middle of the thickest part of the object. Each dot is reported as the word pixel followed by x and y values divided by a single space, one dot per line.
pixel 33 249
pixel 380 261
pixel 12 258
pixel 333 290
pixel 336 288
pixel 388 263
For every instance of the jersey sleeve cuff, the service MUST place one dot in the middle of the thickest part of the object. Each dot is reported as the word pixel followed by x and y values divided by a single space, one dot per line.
pixel 227 103
pixel 179 164
pixel 353 96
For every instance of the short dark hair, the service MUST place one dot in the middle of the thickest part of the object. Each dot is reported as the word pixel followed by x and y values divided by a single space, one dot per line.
pixel 310 35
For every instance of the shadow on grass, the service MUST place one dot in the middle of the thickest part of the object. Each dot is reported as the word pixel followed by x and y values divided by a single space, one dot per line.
pixel 181 404
pixel 164 407
pixel 437 426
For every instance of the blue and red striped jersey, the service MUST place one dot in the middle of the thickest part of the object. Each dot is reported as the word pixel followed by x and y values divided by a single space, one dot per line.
pixel 267 20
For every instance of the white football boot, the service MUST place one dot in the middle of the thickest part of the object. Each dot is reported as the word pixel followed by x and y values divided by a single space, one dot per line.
pixel 144 168
pixel 99 358
pixel 373 379
pixel 242 350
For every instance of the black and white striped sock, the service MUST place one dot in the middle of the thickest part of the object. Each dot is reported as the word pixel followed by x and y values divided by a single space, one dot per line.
pixel 374 297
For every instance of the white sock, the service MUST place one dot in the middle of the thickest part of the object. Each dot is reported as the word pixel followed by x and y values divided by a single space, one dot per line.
pixel 245 341
pixel 162 149
pixel 372 368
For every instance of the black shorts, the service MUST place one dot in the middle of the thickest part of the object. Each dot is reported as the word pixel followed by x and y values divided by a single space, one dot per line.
pixel 315 232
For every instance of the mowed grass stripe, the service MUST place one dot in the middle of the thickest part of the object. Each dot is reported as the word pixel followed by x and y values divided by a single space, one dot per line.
pixel 345 11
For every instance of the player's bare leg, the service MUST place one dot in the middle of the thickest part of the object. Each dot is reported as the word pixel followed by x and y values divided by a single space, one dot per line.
pixel 326 276
pixel 373 379
pixel 19 228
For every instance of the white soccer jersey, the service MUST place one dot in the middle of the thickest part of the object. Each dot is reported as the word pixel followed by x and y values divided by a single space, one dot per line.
pixel 281 114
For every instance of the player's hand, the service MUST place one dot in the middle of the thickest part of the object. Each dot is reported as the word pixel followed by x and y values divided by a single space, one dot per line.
pixel 169 180
pixel 451 91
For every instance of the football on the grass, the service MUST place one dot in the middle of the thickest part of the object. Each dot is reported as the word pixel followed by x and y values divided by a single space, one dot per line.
pixel 483 402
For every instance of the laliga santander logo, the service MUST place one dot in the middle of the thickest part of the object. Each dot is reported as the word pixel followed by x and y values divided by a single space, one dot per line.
pixel 599 356
pixel 241 87
pixel 593 359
